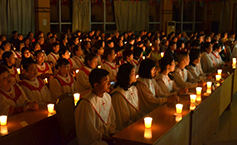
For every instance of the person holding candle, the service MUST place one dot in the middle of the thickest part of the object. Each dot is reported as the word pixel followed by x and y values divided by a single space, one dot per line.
pixel 64 53
pixel 77 56
pixel 9 61
pixel 94 115
pixel 125 97
pixel 150 94
pixel 109 65
pixel 194 66
pixel 34 87
pixel 54 56
pixel 182 77
pixel 82 77
pixel 168 86
pixel 207 62
pixel 99 50
pixel 12 98
pixel 216 56
pixel 63 81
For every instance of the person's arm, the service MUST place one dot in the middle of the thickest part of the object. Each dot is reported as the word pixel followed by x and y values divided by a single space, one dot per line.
pixel 181 83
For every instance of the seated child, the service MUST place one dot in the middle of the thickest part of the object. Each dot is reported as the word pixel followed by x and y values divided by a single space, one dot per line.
pixel 216 56
pixel 54 56
pixel 77 56
pixel 207 62
pixel 64 53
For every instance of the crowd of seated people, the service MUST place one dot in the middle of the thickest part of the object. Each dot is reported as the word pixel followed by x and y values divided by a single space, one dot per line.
pixel 121 77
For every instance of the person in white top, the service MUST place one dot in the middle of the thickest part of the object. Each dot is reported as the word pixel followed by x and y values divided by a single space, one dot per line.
pixel 12 98
pixel 99 50
pixel 207 62
pixel 150 94
pixel 54 56
pixel 94 115
pixel 194 66
pixel 64 53
pixel 182 77
pixel 216 56
pixel 168 86
pixel 9 61
pixel 125 97
pixel 63 81
pixel 82 77
pixel 77 56
pixel 109 65
pixel 34 87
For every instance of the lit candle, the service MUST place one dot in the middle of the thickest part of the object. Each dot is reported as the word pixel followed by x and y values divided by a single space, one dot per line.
pixel 162 54
pixel 137 76
pixel 192 106
pixel 18 70
pixel 192 98
pixel 178 117
pixel 209 85
pixel 179 108
pixel 198 90
pixel 99 66
pixel 125 42
pixel 50 108
pixel 70 53
pixel 234 62
pixel 143 57
pixel 208 91
pixel 77 71
pixel 148 122
pixel 150 44
pixel 46 80
pixel 3 119
pixel 147 133
pixel 218 77
pixel 4 130
pixel 219 71
pixel 76 98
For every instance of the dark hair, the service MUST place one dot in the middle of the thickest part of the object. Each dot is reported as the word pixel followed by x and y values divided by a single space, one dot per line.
pixel 5 55
pixel 99 44
pixel 163 62
pixel 179 43
pixel 3 69
pixel 97 75
pixel 195 43
pixel 123 76
pixel 216 46
pixel 75 48
pixel 26 62
pixel 137 52
pixel 145 68
pixel 18 45
pixel 206 45
pixel 63 36
pixel 49 33
pixel 61 61
pixel 181 56
pixel 107 52
pixel 37 52
pixel 194 54
pixel 14 32
pixel 108 42
pixel 55 44
pixel 89 57
pixel 34 44
pixel 4 43
pixel 62 52
pixel 171 43
pixel 127 53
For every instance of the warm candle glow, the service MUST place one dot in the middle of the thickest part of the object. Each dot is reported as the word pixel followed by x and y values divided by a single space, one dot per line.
pixel 218 77
pixel 234 62
pixel 147 133
pixel 192 98
pixel 162 54
pixel 77 71
pixel 179 108
pixel 18 70
pixel 150 44
pixel 148 122
pixel 99 66
pixel 209 85
pixel 46 80
pixel 192 106
pixel 178 117
pixel 76 98
pixel 3 130
pixel 143 57
pixel 198 90
pixel 50 108
pixel 209 91
pixel 137 76
pixel 219 71
pixel 198 98
pixel 3 119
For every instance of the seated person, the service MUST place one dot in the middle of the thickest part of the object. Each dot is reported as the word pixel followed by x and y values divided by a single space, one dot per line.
pixel 64 53
pixel 207 62
pixel 182 77
pixel 194 66
pixel 9 61
pixel 171 51
pixel 216 56
pixel 125 97
pixel 12 98
pixel 99 50
pixel 34 87
pixel 82 77
pixel 54 55
pixel 150 95
pixel 109 65
pixel 63 81
pixel 168 86
pixel 77 56
pixel 94 115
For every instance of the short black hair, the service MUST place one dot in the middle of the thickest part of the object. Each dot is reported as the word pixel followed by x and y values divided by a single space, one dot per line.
pixel 163 62
pixel 123 76
pixel 127 53
pixel 75 48
pixel 26 62
pixel 179 43
pixel 97 75
pixel 145 68
pixel 62 52
pixel 37 52
pixel 206 45
pixel 5 55
pixel 107 52
pixel 62 61
pixel 216 46
pixel 89 57
pixel 194 54
pixel 55 44
pixel 3 69
pixel 137 52
pixel 181 56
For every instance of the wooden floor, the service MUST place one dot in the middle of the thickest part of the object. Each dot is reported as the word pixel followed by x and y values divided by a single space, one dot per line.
pixel 227 131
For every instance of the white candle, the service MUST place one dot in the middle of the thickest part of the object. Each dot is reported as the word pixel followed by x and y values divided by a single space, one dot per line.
pixel 99 66
pixel 76 98
pixel 162 54
pixel 234 62
pixel 148 133
pixel 50 108
pixel 150 44
pixel 148 122
pixel 3 119
pixel 46 80
pixel 77 71
pixel 209 85
pixel 179 108
pixel 218 77
pixel 143 57
pixel 198 90
pixel 18 70
pixel 137 76
pixel 192 98
pixel 219 71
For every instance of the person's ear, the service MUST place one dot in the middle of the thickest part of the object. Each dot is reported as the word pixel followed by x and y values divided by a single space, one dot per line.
pixel 96 85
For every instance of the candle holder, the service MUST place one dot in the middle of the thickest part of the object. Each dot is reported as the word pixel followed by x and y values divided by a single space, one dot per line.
pixel 193 98
pixel 148 122
pixel 179 108
pixel 219 72
pixel 218 77
pixel 50 108
pixel 3 119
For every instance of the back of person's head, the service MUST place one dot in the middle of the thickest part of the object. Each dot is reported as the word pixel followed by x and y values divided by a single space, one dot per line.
pixel 27 62
pixel 137 52
pixel 163 62
pixel 97 75
pixel 89 57
pixel 127 53
pixel 61 62
pixel 107 52
pixel 3 69
pixel 181 56
pixel 216 46
pixel 123 76
pixel 195 44
pixel 99 44
pixel 194 54
pixel 145 68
